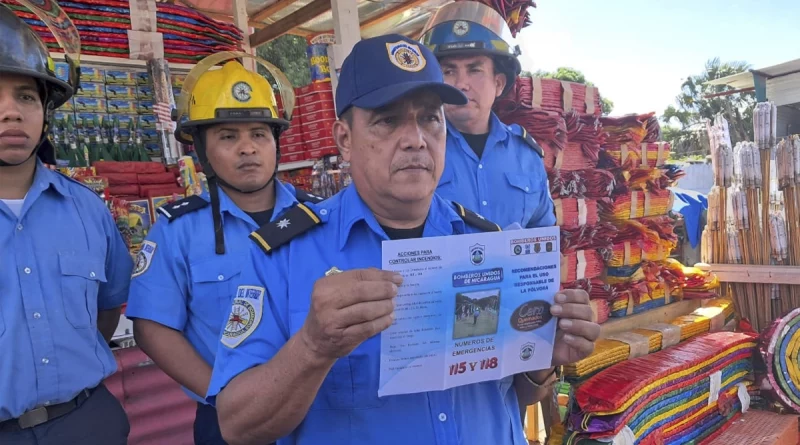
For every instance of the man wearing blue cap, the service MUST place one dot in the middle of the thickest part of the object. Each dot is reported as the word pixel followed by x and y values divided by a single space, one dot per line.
pixel 299 358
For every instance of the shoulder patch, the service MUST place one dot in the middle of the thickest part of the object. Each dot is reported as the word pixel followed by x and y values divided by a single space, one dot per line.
pixel 475 220
pixel 245 316
pixel 302 196
pixel 296 221
pixel 144 258
pixel 532 142
pixel 182 207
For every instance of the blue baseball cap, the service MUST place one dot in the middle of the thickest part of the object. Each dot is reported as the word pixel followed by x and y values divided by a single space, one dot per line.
pixel 383 69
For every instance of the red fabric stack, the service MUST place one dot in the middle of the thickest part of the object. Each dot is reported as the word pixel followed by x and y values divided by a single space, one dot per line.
pixel 136 180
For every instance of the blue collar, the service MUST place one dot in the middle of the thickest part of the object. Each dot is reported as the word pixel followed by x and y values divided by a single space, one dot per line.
pixel 442 218
pixel 44 178
pixel 498 132
pixel 284 199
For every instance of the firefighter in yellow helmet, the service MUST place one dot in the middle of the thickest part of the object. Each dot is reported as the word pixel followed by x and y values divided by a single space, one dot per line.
pixel 186 271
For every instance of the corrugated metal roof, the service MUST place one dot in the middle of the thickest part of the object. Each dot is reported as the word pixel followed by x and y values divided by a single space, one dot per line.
pixel 159 411
pixel 745 80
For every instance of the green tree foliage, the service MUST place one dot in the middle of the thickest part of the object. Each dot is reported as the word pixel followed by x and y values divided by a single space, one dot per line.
pixel 288 53
pixel 685 121
pixel 571 75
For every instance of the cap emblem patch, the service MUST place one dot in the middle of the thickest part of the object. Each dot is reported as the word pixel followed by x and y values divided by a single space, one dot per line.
pixel 406 56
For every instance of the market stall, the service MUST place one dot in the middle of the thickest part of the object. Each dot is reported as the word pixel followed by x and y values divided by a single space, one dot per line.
pixel 610 179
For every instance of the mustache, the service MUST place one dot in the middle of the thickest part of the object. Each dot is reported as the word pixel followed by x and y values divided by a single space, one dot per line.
pixel 415 163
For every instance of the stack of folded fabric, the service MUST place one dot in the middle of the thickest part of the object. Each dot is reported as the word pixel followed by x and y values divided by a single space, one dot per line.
pixel 683 394
pixel 780 349
pixel 617 348
pixel 103 26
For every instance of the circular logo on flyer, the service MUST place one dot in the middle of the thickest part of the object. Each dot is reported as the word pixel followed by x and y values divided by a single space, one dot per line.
pixel 531 316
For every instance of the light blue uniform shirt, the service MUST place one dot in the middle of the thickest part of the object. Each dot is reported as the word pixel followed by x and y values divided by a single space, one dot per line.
pixel 61 262
pixel 187 286
pixel 507 185
pixel 347 410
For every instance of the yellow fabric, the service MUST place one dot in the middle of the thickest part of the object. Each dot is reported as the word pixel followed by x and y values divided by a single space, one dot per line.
pixel 215 90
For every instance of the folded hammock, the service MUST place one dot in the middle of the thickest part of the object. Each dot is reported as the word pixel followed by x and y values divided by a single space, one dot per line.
pixel 581 264
pixel 659 393
pixel 572 213
pixel 615 349
pixel 589 183
pixel 780 348
pixel 637 204
pixel 630 156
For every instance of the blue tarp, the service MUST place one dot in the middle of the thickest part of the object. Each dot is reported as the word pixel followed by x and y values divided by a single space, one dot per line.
pixel 691 205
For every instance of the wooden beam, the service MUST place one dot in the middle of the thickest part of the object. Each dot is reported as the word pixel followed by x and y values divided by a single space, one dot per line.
pixel 270 9
pixel 664 314
pixel 746 273
pixel 389 13
pixel 241 22
pixel 293 20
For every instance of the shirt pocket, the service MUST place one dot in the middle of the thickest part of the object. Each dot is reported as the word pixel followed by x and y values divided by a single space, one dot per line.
pixel 524 198
pixel 213 281
pixel 352 382
pixel 81 275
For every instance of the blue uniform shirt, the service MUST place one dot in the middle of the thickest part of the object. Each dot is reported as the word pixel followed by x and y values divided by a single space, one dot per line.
pixel 61 262
pixel 507 185
pixel 347 410
pixel 186 286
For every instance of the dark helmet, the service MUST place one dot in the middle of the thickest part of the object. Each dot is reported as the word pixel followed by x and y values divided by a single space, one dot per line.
pixel 22 52
pixel 472 28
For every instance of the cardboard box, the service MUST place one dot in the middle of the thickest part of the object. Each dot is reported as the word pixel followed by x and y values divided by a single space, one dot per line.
pixel 291 140
pixel 91 89
pixel 121 106
pixel 142 78
pixel 314 88
pixel 178 80
pixel 145 92
pixel 146 121
pixel 323 115
pixel 90 105
pixel 61 116
pixel 318 126
pixel 145 107
pixel 293 148
pixel 125 92
pixel 88 74
pixel 320 144
pixel 314 107
pixel 324 133
pixel 119 77
pixel 320 96
pixel 293 157
pixel 316 154
pixel 69 106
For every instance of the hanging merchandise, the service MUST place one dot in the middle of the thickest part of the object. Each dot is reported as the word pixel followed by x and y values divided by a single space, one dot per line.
pixel 765 123
pixel 188 36
pixel 317 52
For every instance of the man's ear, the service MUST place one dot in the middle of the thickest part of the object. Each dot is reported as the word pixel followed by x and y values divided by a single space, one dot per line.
pixel 343 138
pixel 500 82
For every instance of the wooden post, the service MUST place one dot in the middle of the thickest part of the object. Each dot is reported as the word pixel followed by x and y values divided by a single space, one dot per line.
pixel 241 22
pixel 347 29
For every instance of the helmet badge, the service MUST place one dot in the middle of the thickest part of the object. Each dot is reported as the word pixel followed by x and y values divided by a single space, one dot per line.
pixel 242 91
pixel 460 28
pixel 406 56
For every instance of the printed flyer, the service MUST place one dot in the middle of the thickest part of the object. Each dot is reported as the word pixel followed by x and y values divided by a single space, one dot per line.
pixel 472 308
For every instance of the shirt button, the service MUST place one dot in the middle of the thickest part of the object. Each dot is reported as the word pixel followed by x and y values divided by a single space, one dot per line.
pixel 442 417
pixel 91 274
pixel 37 315
pixel 527 189
pixel 19 226
pixel 45 360
pixel 323 212
pixel 220 277
pixel 27 270
pixel 47 403
pixel 480 165
pixel 485 203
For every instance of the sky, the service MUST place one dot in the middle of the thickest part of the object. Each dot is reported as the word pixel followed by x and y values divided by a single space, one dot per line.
pixel 639 52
